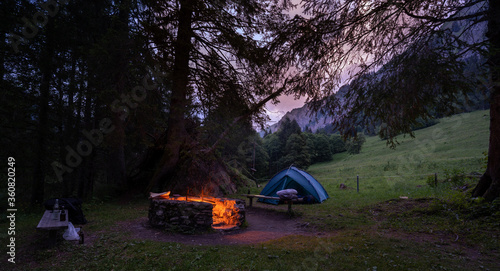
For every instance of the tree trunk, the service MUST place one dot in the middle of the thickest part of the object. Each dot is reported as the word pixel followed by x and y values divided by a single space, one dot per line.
pixel 116 171
pixel 85 180
pixel 176 130
pixel 70 128
pixel 489 184
pixel 43 126
pixel 41 148
pixel 78 124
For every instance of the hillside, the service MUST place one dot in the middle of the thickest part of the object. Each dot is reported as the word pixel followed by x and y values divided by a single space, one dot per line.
pixel 455 144
pixel 477 98
pixel 308 119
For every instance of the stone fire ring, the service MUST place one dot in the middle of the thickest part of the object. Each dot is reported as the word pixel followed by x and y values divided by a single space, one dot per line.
pixel 188 216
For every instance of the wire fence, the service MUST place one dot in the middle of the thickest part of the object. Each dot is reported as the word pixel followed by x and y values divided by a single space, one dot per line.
pixel 432 178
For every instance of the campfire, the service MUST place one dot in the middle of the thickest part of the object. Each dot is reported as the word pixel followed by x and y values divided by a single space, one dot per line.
pixel 195 212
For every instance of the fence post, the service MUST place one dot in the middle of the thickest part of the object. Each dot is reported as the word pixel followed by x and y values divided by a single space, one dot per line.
pixel 357 183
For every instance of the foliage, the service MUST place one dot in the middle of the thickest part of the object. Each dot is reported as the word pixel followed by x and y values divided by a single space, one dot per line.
pixel 422 58
pixel 222 113
pixel 431 181
pixel 287 128
pixel 301 151
pixel 273 146
pixel 76 70
pixel 354 145
pixel 319 147
pixel 252 157
pixel 204 70
pixel 389 89
pixel 296 152
pixel 337 144
pixel 484 160
pixel 455 176
pixel 406 60
pixel 490 210
pixel 284 152
pixel 114 62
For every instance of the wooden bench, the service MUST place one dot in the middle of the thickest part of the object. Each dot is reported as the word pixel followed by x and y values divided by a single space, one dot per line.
pixel 251 196
pixel 52 225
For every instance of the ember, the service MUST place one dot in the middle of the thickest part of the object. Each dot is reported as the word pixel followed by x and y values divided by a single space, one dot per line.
pixel 193 212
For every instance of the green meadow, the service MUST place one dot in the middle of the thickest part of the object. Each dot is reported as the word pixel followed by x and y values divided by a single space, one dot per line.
pixel 399 220
pixel 456 145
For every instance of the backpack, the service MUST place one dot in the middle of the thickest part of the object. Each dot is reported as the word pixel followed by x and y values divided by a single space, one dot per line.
pixel 74 206
pixel 309 199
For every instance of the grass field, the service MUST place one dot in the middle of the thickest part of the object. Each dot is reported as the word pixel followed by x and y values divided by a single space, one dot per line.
pixel 436 228
pixel 456 143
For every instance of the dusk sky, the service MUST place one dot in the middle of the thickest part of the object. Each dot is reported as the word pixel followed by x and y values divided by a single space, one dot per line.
pixel 287 103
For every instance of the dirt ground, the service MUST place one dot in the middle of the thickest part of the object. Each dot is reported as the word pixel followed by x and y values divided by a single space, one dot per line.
pixel 263 225
pixel 266 223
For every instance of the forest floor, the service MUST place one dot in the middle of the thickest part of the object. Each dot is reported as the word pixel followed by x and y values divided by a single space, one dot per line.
pixel 262 225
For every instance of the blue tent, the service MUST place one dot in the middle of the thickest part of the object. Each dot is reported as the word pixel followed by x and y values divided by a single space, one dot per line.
pixel 294 178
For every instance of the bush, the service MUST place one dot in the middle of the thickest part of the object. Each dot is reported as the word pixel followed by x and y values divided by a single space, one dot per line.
pixel 431 180
pixel 455 176
pixel 354 144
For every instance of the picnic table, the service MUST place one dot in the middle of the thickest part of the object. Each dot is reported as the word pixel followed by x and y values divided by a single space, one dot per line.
pixel 251 196
pixel 52 225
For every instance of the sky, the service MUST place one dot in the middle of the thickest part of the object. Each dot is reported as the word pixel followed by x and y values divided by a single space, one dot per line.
pixel 287 103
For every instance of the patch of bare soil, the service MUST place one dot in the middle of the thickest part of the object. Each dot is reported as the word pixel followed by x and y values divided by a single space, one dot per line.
pixel 263 225
pixel 445 240
pixel 401 205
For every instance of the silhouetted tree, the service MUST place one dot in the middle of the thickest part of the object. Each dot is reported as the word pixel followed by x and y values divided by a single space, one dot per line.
pixel 296 152
pixel 420 44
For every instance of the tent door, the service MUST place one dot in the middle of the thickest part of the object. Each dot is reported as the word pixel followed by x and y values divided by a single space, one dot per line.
pixel 284 183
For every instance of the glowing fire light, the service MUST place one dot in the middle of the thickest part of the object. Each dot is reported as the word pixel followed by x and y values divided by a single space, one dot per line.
pixel 225 212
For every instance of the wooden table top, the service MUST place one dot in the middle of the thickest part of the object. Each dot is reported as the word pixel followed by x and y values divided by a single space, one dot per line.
pixel 49 223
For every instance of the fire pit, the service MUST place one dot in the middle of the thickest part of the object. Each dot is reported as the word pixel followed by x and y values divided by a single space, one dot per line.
pixel 189 213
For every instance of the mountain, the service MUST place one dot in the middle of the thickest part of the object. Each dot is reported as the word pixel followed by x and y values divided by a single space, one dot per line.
pixel 303 117
pixel 306 118
pixel 468 31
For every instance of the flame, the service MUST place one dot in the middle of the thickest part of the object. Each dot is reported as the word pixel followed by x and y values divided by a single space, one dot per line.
pixel 224 213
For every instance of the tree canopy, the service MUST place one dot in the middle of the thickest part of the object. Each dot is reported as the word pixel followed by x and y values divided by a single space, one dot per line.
pixel 405 60
pixel 150 94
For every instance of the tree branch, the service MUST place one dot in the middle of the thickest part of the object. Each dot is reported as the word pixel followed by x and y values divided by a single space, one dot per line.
pixel 252 110
pixel 451 18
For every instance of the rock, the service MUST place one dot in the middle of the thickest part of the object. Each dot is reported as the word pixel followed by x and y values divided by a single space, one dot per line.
pixel 188 216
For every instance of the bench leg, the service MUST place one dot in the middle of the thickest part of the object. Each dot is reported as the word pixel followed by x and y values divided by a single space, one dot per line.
pixel 52 238
pixel 251 201
pixel 289 207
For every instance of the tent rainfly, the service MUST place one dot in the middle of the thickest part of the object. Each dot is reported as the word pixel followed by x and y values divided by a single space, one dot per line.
pixel 294 178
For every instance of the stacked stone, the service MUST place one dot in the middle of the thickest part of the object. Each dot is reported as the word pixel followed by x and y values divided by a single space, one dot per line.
pixel 181 215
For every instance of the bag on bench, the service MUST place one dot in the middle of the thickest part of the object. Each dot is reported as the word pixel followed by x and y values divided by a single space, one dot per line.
pixel 287 194
pixel 74 206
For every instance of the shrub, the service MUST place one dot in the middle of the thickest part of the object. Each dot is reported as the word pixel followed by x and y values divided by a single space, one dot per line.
pixel 431 180
pixel 455 176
